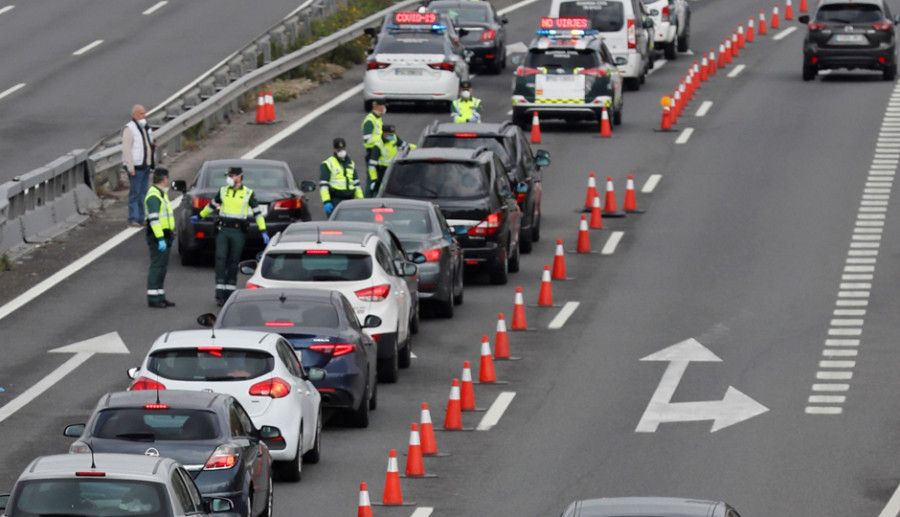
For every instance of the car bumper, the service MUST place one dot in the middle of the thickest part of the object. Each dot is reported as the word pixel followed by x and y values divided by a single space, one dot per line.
pixel 633 65
pixel 664 33
pixel 442 88
pixel 434 283
pixel 483 56
pixel 341 390
pixel 570 111
pixel 871 58
pixel 490 255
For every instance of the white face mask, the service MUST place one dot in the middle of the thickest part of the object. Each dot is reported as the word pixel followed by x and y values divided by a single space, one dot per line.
pixel 342 154
pixel 230 181
pixel 166 189
pixel 142 122
pixel 466 94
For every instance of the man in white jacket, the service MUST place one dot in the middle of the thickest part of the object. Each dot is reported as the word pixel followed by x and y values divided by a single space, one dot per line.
pixel 138 160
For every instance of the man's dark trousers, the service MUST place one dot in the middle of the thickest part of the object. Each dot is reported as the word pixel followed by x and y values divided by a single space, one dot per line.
pixel 159 265
pixel 229 247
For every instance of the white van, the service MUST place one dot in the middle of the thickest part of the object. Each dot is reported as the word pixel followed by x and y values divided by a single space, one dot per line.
pixel 622 24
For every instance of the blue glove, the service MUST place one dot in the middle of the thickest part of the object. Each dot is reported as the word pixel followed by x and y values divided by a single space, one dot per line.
pixel 328 208
pixel 162 245
pixel 372 186
pixel 265 237
pixel 195 219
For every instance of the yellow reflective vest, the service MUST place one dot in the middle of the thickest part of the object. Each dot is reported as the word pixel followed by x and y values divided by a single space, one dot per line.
pixel 159 212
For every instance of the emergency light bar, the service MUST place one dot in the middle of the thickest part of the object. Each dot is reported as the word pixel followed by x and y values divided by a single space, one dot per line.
pixel 564 23
pixel 414 17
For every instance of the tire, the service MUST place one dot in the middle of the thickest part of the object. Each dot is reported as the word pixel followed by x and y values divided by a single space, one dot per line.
pixel 404 359
pixel 359 418
pixel 268 511
pixel 669 51
pixel 373 400
pixel 810 72
pixel 643 77
pixel 521 120
pixel 684 41
pixel 313 455
pixel 188 257
pixel 389 369
pixel 617 117
pixel 525 241
pixel 890 73
pixel 367 106
pixel 514 261
pixel 292 470
pixel 632 84
pixel 500 274
pixel 458 296
pixel 414 323
pixel 536 229
pixel 444 308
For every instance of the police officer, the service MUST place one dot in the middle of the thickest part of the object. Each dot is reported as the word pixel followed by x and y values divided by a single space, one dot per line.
pixel 160 235
pixel 392 143
pixel 466 108
pixel 235 203
pixel 337 177
pixel 373 130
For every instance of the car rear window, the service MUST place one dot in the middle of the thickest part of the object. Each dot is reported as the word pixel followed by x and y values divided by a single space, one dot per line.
pixel 849 13
pixel 468 142
pixel 460 14
pixel 156 424
pixel 209 363
pixel 95 497
pixel 411 43
pixel 403 221
pixel 278 315
pixel 554 60
pixel 603 15
pixel 436 179
pixel 254 177
pixel 316 266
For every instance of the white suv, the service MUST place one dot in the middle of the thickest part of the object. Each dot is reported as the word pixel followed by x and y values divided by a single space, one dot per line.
pixel 365 262
pixel 260 370
pixel 671 25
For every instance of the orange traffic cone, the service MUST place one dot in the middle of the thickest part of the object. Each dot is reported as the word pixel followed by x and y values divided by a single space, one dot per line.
pixel 676 106
pixel 426 433
pixel 803 7
pixel 666 122
pixel 535 129
pixel 559 262
pixel 365 507
pixel 712 62
pixel 704 70
pixel 518 320
pixel 721 63
pixel 605 128
pixel 584 240
pixel 596 215
pixel 392 494
pixel 270 107
pixel 414 465
pixel 545 296
pixel 630 204
pixel 591 192
pixel 501 340
pixel 788 10
pixel 467 389
pixel 610 208
pixel 735 51
pixel 774 24
pixel 749 37
pixel 453 418
pixel 261 108
pixel 486 368
pixel 729 53
pixel 762 23
pixel 740 34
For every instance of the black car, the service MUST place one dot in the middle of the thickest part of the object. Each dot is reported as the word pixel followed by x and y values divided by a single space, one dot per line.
pixel 858 34
pixel 483 34
pixel 323 328
pixel 642 506
pixel 209 433
pixel 474 194
pixel 427 240
pixel 507 141
pixel 282 201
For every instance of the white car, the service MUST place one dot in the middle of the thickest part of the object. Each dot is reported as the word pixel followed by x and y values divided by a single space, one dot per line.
pixel 416 61
pixel 366 263
pixel 260 370
pixel 671 25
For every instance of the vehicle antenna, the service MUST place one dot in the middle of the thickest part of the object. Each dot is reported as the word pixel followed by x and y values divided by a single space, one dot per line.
pixel 91 447
pixel 282 298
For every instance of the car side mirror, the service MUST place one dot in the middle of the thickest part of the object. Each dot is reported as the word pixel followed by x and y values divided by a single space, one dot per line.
pixel 896 19
pixel 316 374
pixel 268 432
pixel 248 267
pixel 621 60
pixel 133 372
pixel 504 20
pixel 462 32
pixel 654 12
pixel 418 258
pixel 542 161
pixel 648 23
pixel 219 505
pixel 372 321
pixel 804 18
pixel 179 186
pixel 409 269
pixel 521 187
pixel 517 60
pixel 369 51
pixel 206 320
pixel 74 430
pixel 307 186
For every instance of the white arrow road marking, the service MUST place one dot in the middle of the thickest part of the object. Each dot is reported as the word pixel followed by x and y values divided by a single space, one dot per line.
pixel 492 417
pixel 517 48
pixel 106 344
pixel 733 408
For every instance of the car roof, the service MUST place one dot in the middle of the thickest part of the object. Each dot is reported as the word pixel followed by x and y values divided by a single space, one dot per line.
pixel 386 202
pixel 290 293
pixel 586 42
pixel 181 399
pixel 113 465
pixel 643 506
pixel 446 153
pixel 480 129
pixel 467 3
pixel 879 3
pixel 346 232
pixel 226 338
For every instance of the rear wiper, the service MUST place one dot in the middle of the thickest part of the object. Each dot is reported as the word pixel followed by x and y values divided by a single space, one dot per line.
pixel 63 515
pixel 433 192
pixel 139 437
pixel 839 20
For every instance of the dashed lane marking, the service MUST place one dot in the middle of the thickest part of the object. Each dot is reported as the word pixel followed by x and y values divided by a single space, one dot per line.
pixel 7 9
pixel 12 90
pixel 651 183
pixel 513 7
pixel 892 509
pixel 422 511
pixel 685 135
pixel 87 47
pixel 156 7
pixel 703 109
pixel 737 70
pixel 563 315
pixel 784 34
pixel 610 247
pixel 495 412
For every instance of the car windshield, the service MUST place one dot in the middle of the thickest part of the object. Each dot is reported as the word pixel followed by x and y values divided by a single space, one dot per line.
pixel 552 60
pixel 849 13
pixel 469 142
pixel 254 176
pixel 316 266
pixel 436 179
pixel 405 42
pixel 460 14
pixel 97 497
pixel 210 363
pixel 280 315
pixel 604 15
pixel 156 424
pixel 403 221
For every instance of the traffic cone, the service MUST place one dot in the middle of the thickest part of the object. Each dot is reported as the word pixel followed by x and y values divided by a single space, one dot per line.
pixel 666 123
pixel 518 320
pixel 596 215
pixel 591 192
pixel 365 507
pixel 740 34
pixel 486 368
pixel 610 208
pixel 630 204
pixel 466 389
pixel 605 128
pixel 704 70
pixel 261 108
pixel 270 107
pixel 762 23
pixel 392 494
pixel 729 53
pixel 749 37
pixel 453 418
pixel 803 7
pixel 426 433
pixel 501 340
pixel 675 106
pixel 788 10
pixel 559 262
pixel 545 297
pixel 414 465
pixel 535 129
pixel 712 62
pixel 721 63
pixel 735 51
pixel 584 240
pixel 774 24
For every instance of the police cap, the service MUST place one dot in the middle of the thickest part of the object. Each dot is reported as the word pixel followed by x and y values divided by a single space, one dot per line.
pixel 389 129
pixel 465 85
pixel 339 143
pixel 234 171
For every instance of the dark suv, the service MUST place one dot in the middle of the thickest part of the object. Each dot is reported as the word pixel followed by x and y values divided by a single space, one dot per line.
pixel 474 195
pixel 507 141
pixel 850 35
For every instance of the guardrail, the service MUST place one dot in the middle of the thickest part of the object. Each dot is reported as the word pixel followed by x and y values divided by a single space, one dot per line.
pixel 48 201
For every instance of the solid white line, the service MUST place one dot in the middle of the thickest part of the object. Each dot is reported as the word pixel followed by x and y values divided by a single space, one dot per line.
pixel 684 136
pixel 563 315
pixel 831 387
pixel 651 183
pixel 738 69
pixel 839 353
pixel 703 109
pixel 12 90
pixel 827 399
pixel 513 7
pixel 783 34
pixel 658 64
pixel 823 410
pixel 834 376
pixel 492 417
pixel 422 511
pixel 610 247
pixel 86 48
pixel 43 385
pixel 892 508
pixel 155 7
pixel 7 9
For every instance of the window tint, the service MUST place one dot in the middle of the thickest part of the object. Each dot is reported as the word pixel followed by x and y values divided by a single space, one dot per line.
pixel 460 14
pixel 289 359
pixel 277 314
pixel 308 267
pixel 254 176
pixel 849 13
pixel 490 142
pixel 156 424
pixel 554 60
pixel 193 492
pixel 182 494
pixel 99 497
pixel 245 424
pixel 383 256
pixel 603 15
pixel 433 180
pixel 403 221
pixel 411 43
pixel 350 314
pixel 213 364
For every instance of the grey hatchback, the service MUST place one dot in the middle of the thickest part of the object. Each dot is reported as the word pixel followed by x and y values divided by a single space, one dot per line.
pixel 857 34
pixel 643 506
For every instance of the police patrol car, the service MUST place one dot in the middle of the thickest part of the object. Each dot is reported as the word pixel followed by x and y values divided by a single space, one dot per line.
pixel 568 73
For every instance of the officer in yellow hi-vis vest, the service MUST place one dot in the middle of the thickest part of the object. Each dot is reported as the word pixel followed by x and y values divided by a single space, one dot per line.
pixel 466 108
pixel 235 203
pixel 373 131
pixel 160 235
pixel 392 143
pixel 337 177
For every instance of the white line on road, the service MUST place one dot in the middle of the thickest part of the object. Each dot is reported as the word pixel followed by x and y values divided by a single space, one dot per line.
pixel 87 47
pixel 563 315
pixel 703 109
pixel 155 8
pixel 651 183
pixel 513 7
pixel 738 69
pixel 422 511
pixel 12 90
pixel 610 247
pixel 7 9
pixel 509 113
pixel 783 34
pixel 684 136
pixel 492 417
pixel 892 509
pixel 659 63
pixel 44 384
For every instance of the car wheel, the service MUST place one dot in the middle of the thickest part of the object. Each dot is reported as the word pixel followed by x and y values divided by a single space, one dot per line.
pixel 684 41
pixel 405 356
pixel 389 369
pixel 414 323
pixel 669 51
pixel 520 119
pixel 268 511
pixel 809 72
pixel 632 84
pixel 458 293
pixel 643 77
pixel 500 273
pixel 617 117
pixel 367 106
pixel 360 417
pixel 525 241
pixel 536 228
pixel 292 470
pixel 514 262
pixel 890 73
pixel 444 308
pixel 188 257
pixel 373 400
pixel 313 455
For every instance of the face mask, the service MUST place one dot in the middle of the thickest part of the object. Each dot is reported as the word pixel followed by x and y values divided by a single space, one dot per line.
pixel 466 94
pixel 142 122
pixel 342 154
pixel 389 138
pixel 166 189
pixel 382 112
pixel 230 181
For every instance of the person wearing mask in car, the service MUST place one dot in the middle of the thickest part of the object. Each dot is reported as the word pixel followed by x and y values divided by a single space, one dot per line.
pixel 337 177
pixel 466 108
pixel 373 131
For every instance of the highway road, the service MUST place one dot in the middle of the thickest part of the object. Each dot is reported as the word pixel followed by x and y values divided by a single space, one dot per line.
pixel 766 254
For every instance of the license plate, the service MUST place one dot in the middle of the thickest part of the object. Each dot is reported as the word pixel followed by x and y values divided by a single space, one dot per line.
pixel 849 38
pixel 407 71
pixel 559 78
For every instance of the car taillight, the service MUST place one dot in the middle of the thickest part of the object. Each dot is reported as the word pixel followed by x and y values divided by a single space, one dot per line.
pixel 156 406
pixel 251 285
pixel 198 203
pixel 487 227
pixel 432 255
pixel 317 252
pixel 224 457
pixel 632 34
pixel 523 71
pixel 374 294
pixel 816 27
pixel 376 65
pixel 275 388
pixel 488 35
pixel 334 350
pixel 294 203
pixel 599 72
pixel 449 67
pixel 520 198
pixel 146 383
pixel 465 135
pixel 665 13
pixel 882 26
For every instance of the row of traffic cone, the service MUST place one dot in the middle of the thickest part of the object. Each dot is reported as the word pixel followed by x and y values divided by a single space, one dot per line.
pixel 610 208
pixel 605 126
pixel 265 108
